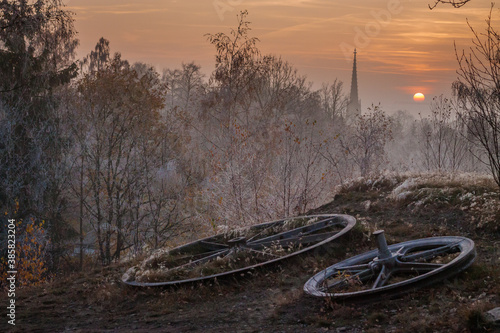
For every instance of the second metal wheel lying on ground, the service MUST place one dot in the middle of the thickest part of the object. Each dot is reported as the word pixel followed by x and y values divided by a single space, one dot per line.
pixel 393 270
pixel 239 251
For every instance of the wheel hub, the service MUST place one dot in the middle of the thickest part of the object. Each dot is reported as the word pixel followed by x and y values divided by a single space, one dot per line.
pixel 385 256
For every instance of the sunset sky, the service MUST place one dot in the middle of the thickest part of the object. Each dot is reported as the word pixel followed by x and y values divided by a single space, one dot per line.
pixel 403 47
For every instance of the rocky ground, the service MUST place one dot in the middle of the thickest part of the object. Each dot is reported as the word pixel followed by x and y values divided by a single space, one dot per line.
pixel 272 299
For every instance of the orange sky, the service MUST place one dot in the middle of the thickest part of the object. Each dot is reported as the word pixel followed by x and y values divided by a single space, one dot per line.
pixel 403 47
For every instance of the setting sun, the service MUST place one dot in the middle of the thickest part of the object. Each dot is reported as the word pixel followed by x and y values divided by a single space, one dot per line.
pixel 419 97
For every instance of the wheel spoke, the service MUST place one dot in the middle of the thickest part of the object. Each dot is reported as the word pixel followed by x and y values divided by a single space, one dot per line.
pixel 299 239
pixel 346 280
pixel 431 253
pixel 353 268
pixel 420 267
pixel 294 232
pixel 204 259
pixel 260 233
pixel 195 256
pixel 274 243
pixel 400 251
pixel 382 278
pixel 278 236
pixel 213 245
pixel 325 226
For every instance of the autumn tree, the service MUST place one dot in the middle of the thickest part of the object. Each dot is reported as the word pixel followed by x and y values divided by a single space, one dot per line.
pixel 32 259
pixel 119 129
pixel 234 63
pixel 263 127
pixel 228 115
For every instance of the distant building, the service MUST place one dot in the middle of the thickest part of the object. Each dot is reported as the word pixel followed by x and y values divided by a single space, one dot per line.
pixel 354 106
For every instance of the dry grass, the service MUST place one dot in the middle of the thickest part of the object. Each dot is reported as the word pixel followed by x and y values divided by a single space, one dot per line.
pixel 473 316
pixel 272 299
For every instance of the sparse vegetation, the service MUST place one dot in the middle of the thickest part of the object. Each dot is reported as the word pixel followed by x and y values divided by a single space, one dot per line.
pixel 272 299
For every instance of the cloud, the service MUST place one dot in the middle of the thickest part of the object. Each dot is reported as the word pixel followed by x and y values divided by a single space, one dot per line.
pixel 115 10
pixel 412 49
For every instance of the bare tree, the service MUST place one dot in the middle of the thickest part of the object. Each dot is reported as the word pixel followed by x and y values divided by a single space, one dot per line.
pixel 299 175
pixel 334 100
pixel 276 87
pixel 235 70
pixel 364 142
pixel 118 109
pixel 478 92
pixel 444 147
pixel 403 150
pixel 454 3
pixel 229 119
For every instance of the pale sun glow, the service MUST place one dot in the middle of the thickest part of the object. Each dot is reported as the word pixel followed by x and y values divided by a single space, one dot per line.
pixel 419 97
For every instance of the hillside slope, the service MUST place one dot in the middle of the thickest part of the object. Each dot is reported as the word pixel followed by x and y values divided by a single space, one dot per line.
pixel 406 207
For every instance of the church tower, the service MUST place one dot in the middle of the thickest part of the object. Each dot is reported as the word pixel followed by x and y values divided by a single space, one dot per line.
pixel 354 106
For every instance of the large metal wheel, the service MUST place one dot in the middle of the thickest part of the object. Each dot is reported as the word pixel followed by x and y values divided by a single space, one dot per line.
pixel 393 270
pixel 238 251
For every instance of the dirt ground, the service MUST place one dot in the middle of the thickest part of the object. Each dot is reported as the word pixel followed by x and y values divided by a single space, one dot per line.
pixel 271 299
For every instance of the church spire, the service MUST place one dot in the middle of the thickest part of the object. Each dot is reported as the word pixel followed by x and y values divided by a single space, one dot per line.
pixel 354 80
pixel 354 106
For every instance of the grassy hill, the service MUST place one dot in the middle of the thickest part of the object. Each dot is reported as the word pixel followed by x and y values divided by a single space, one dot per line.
pixel 405 206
